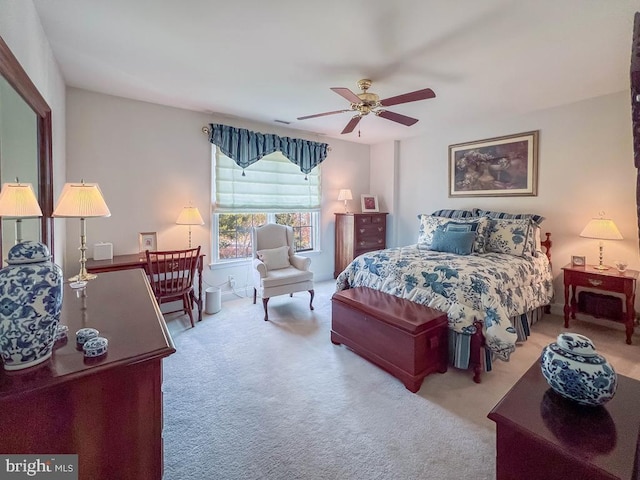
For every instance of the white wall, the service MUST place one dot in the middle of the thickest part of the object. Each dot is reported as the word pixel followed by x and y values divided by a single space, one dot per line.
pixel 20 28
pixel 384 184
pixel 585 166
pixel 151 160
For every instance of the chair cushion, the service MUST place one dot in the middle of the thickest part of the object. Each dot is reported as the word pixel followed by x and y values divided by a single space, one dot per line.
pixel 275 258
pixel 286 276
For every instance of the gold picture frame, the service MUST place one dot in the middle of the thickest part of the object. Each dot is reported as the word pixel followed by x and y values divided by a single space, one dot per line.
pixel 148 241
pixel 495 167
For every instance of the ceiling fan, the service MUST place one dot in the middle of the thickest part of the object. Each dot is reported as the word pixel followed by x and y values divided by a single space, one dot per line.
pixel 365 103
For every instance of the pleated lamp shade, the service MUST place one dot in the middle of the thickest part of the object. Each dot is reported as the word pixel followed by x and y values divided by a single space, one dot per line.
pixel 18 200
pixel 601 228
pixel 190 216
pixel 81 200
pixel 345 194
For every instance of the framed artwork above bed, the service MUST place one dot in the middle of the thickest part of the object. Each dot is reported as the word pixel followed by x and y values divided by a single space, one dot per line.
pixel 495 167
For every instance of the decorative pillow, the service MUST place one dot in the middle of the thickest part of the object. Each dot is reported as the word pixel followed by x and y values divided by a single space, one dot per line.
pixel 453 241
pixel 461 227
pixel 537 219
pixel 512 236
pixel 429 224
pixel 275 258
pixel 455 213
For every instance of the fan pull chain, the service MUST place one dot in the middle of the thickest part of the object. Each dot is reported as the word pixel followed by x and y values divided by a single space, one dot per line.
pixel 358 133
pixel 243 174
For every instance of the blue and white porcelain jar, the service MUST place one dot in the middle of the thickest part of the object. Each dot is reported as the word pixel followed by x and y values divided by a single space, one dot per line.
pixel 576 371
pixel 30 304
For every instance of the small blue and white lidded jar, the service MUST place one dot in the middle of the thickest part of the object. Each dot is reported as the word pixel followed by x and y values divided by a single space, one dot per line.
pixel 30 304
pixel 576 371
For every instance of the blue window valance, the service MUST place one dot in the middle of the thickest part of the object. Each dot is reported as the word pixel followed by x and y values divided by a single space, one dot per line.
pixel 246 147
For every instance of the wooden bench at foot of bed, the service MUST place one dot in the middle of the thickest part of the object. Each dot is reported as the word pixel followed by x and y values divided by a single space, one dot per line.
pixel 404 338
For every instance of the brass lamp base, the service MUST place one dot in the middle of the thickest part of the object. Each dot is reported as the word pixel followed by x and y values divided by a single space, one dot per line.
pixel 600 265
pixel 83 277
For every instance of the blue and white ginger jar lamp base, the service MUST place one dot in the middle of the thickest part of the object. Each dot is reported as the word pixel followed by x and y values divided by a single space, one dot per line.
pixel 30 304
pixel 576 371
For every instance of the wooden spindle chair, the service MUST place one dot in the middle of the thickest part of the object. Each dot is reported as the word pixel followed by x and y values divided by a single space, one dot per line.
pixel 171 274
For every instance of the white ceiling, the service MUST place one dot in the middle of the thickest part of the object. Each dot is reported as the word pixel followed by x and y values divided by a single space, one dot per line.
pixel 267 60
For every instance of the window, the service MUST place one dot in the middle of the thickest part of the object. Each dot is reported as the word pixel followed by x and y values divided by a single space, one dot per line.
pixel 272 190
pixel 234 232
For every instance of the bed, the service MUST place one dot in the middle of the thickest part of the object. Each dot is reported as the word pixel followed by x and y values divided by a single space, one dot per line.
pixel 489 271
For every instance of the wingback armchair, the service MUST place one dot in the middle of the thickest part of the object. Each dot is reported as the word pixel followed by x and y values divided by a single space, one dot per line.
pixel 277 270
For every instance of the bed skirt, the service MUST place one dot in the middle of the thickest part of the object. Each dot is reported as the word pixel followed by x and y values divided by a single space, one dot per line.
pixel 460 343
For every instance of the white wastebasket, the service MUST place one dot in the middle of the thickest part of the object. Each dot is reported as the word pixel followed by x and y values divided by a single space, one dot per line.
pixel 213 300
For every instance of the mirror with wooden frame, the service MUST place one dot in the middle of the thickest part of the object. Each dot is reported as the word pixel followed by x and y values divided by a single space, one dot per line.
pixel 25 148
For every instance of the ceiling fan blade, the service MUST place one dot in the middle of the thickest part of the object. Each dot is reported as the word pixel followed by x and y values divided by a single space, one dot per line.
pixel 396 117
pixel 323 114
pixel 408 97
pixel 346 93
pixel 352 124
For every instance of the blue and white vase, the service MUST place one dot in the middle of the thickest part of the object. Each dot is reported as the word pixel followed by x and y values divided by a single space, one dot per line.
pixel 30 304
pixel 576 371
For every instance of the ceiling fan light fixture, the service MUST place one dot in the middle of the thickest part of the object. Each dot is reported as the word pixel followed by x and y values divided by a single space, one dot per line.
pixel 365 103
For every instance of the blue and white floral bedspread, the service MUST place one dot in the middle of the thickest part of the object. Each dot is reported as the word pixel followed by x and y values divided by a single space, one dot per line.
pixel 492 287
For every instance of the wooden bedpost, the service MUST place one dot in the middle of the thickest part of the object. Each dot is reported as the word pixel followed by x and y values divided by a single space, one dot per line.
pixel 477 351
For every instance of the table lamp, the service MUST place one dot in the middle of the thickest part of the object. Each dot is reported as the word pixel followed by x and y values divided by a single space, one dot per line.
pixel 602 229
pixel 190 216
pixel 81 200
pixel 17 200
pixel 345 194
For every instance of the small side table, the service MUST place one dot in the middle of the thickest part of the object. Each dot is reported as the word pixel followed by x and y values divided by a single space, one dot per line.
pixel 608 280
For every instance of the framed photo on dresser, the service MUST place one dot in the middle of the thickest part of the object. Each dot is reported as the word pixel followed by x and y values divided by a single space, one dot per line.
pixel 369 203
pixel 148 241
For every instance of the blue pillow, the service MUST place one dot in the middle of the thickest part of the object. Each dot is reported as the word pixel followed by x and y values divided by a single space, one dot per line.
pixel 460 243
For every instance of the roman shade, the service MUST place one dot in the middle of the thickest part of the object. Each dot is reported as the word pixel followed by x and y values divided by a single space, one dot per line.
pixel 272 185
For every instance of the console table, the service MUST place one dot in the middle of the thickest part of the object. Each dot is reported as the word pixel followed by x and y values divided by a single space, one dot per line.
pixel 108 410
pixel 541 435
pixel 139 260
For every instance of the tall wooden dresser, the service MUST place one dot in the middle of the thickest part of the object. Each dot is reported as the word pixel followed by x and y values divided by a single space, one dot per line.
pixel 358 233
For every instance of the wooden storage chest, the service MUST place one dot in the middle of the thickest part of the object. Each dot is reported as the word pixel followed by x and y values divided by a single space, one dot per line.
pixel 404 338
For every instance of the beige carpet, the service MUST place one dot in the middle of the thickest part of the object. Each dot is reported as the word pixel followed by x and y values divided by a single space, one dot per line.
pixel 249 399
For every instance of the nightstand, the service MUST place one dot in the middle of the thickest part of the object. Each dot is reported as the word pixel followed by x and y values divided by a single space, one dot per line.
pixel 608 280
